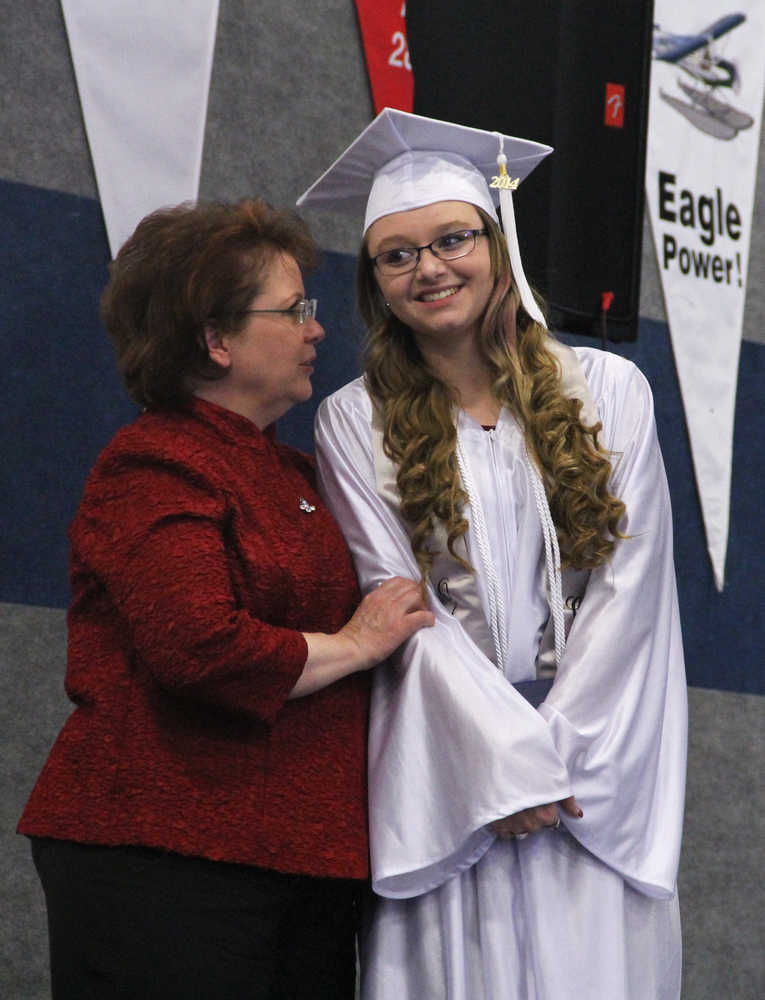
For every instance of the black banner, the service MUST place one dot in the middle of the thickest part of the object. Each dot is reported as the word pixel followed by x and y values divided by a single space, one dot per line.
pixel 574 76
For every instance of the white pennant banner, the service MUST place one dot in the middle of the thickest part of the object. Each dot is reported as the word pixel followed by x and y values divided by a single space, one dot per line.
pixel 707 78
pixel 143 75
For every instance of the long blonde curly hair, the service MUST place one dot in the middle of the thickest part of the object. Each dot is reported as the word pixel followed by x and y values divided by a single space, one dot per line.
pixel 420 436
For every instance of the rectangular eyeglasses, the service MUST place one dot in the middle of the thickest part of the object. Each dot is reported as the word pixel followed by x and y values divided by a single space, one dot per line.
pixel 301 311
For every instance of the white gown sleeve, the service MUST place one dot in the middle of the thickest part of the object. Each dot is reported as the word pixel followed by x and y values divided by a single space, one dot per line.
pixel 452 745
pixel 617 710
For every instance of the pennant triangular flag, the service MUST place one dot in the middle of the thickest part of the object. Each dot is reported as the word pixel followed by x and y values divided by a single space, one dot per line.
pixel 143 75
pixel 703 142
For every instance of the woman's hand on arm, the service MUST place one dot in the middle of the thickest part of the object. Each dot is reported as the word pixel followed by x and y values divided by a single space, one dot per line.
pixel 535 818
pixel 386 617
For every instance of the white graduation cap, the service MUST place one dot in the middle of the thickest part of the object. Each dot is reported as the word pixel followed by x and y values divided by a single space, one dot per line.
pixel 403 161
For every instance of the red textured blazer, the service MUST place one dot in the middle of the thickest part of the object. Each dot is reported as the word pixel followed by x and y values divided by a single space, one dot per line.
pixel 200 552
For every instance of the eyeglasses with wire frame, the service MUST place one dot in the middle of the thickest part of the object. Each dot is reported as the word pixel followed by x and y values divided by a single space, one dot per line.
pixel 399 260
pixel 301 311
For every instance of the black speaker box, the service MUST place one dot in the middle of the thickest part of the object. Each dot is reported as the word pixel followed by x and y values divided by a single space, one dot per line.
pixel 573 75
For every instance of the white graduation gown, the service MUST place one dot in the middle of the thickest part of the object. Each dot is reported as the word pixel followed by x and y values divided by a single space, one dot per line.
pixel 589 911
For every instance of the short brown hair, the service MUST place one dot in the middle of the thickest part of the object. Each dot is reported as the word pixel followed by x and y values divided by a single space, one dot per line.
pixel 182 269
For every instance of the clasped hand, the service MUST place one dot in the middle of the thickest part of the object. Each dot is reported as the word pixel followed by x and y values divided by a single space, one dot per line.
pixel 535 818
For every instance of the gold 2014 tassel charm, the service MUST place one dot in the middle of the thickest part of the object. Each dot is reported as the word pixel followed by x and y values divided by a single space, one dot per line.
pixel 503 180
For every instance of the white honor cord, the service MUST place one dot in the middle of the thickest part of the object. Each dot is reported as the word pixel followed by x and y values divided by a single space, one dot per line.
pixel 495 595
pixel 552 558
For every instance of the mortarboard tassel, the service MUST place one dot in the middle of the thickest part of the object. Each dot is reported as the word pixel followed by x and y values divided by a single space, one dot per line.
pixel 506 185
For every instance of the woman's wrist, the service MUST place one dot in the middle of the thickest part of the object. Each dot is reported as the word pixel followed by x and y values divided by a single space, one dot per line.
pixel 329 659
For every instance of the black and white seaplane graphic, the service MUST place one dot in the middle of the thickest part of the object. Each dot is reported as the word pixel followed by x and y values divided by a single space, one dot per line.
pixel 694 54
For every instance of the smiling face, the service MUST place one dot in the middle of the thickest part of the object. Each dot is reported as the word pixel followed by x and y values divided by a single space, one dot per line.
pixel 268 362
pixel 439 300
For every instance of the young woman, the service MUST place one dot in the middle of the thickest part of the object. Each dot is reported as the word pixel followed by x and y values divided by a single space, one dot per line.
pixel 519 853
pixel 200 825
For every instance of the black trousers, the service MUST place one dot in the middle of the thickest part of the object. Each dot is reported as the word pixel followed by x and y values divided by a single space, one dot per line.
pixel 132 923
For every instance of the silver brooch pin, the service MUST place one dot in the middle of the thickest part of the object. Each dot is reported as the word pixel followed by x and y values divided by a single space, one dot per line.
pixel 309 508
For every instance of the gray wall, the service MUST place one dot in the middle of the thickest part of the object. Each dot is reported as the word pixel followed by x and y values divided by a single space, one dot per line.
pixel 289 90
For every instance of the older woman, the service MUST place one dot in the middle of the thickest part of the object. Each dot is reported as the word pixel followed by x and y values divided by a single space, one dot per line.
pixel 519 853
pixel 200 826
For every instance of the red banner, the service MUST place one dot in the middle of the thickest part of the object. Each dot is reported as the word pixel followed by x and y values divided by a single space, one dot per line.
pixel 383 32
